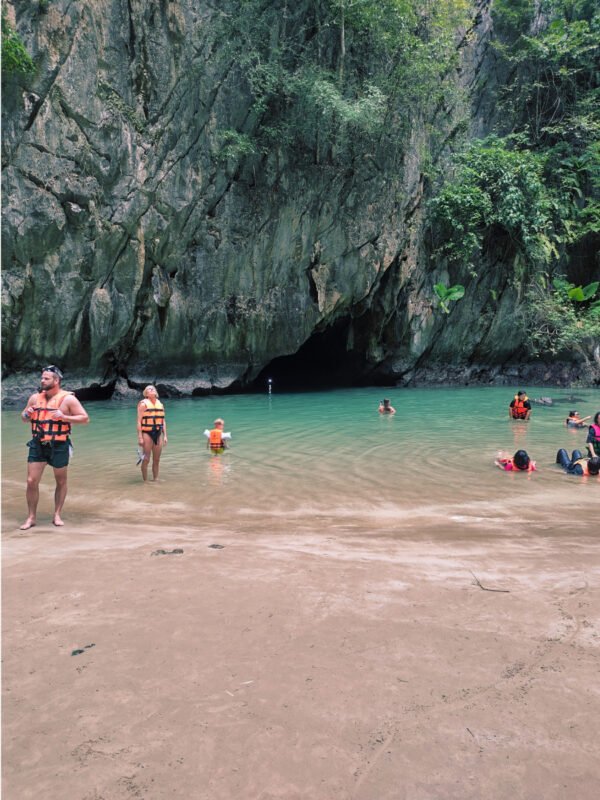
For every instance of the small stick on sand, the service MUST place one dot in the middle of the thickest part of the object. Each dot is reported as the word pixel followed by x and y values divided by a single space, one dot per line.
pixel 485 589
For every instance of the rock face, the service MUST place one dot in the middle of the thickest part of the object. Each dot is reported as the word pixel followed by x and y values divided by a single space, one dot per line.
pixel 134 249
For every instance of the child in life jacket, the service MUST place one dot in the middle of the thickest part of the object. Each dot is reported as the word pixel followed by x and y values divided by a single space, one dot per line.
pixel 520 462
pixel 216 439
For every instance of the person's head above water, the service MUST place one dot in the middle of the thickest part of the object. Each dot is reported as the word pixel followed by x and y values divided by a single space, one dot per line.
pixel 521 393
pixel 594 465
pixel 521 459
pixel 573 413
pixel 218 423
pixel 385 401
pixel 150 390
pixel 597 418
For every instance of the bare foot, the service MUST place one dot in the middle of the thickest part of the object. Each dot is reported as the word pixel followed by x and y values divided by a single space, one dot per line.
pixel 29 523
pixel 57 521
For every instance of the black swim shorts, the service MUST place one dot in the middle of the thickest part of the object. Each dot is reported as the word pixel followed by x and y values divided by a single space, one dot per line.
pixel 56 454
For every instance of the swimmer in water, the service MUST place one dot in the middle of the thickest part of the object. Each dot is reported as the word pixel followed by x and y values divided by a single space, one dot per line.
pixel 386 408
pixel 577 464
pixel 520 462
pixel 520 407
pixel 216 440
pixel 575 421
pixel 593 439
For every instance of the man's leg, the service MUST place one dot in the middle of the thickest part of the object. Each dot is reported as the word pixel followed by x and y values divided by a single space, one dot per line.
pixel 60 494
pixel 35 470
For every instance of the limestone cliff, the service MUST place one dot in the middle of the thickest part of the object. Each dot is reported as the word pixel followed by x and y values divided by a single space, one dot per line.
pixel 135 247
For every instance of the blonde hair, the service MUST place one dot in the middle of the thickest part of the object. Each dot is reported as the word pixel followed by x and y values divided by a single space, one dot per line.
pixel 151 386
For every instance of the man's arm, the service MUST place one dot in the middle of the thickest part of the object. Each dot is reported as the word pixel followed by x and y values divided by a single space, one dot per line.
pixel 72 411
pixel 28 410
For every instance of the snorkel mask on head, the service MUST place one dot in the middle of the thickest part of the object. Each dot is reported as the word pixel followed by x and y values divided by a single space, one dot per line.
pixel 53 369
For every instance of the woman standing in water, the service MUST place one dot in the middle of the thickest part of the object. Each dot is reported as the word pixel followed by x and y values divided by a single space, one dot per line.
pixel 152 430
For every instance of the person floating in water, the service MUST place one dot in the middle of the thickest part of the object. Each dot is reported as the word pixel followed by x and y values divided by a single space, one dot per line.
pixel 216 440
pixel 575 421
pixel 520 462
pixel 577 464
pixel 520 407
pixel 152 430
pixel 51 412
pixel 593 439
pixel 385 407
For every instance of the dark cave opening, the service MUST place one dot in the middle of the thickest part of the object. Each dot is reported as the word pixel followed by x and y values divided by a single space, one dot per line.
pixel 95 391
pixel 322 362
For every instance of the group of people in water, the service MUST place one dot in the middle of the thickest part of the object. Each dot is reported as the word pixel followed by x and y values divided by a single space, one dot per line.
pixel 577 464
pixel 52 411
pixel 152 432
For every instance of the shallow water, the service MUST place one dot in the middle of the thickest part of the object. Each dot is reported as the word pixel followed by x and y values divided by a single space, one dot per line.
pixel 306 461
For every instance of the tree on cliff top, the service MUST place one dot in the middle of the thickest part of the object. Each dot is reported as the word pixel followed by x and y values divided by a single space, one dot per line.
pixel 336 78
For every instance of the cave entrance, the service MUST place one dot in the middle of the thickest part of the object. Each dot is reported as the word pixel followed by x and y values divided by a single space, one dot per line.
pixel 322 362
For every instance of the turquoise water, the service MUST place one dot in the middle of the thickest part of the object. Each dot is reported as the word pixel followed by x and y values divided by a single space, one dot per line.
pixel 307 460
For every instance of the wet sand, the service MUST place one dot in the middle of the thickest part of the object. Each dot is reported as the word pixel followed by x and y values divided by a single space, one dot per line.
pixel 292 664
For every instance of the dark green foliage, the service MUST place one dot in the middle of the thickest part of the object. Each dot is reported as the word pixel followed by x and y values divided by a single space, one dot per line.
pixel 337 78
pixel 563 317
pixel 512 17
pixel 498 189
pixel 537 184
pixel 15 58
pixel 554 94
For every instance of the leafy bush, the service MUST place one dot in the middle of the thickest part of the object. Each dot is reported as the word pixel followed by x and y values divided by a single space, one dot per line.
pixel 340 77
pixel 563 317
pixel 496 187
pixel 15 58
pixel 235 146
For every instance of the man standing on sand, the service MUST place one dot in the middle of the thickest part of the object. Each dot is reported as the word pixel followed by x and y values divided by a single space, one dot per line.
pixel 51 413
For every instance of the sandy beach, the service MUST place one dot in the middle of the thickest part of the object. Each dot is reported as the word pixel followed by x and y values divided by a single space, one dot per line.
pixel 295 665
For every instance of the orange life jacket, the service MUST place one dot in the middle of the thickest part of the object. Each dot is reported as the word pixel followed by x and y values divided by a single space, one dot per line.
pixel 518 410
pixel 215 439
pixel 42 427
pixel 154 416
pixel 583 463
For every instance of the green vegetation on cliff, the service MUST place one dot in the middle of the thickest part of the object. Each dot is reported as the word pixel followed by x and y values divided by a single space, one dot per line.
pixel 537 182
pixel 15 58
pixel 340 77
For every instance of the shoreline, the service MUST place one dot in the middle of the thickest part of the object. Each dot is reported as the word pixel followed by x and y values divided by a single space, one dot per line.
pixel 561 376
